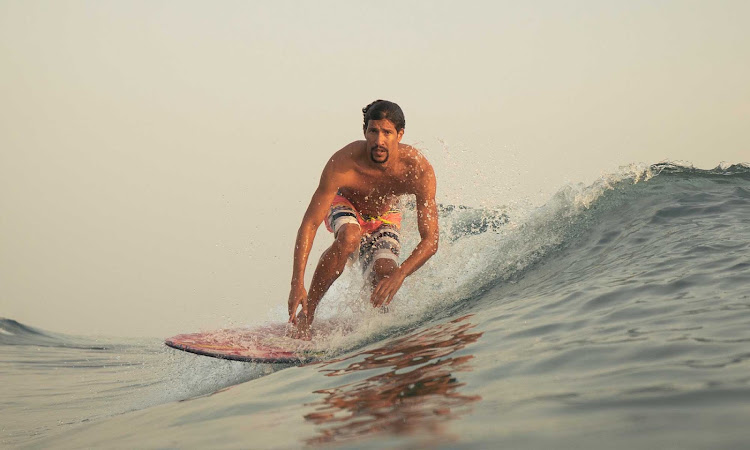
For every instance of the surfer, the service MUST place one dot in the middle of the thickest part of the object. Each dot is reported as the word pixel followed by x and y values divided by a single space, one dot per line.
pixel 357 197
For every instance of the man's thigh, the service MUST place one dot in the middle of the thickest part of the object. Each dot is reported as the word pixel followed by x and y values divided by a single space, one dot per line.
pixel 383 243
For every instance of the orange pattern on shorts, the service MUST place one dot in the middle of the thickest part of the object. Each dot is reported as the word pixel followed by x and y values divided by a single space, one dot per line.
pixel 368 224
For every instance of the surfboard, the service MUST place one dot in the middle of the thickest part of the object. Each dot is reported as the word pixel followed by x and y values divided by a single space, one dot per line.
pixel 264 344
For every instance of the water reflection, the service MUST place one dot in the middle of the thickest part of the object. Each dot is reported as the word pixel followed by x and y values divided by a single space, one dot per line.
pixel 417 395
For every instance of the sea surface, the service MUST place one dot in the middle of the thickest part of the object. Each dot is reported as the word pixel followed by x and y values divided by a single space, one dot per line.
pixel 617 315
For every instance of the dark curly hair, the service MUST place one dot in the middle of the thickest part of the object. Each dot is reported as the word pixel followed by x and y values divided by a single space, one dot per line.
pixel 383 109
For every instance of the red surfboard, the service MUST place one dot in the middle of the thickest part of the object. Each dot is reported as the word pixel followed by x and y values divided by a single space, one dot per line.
pixel 265 344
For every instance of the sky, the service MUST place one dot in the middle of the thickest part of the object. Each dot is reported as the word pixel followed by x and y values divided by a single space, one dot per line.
pixel 156 157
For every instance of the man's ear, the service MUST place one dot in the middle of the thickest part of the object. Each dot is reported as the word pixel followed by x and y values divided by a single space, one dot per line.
pixel 400 134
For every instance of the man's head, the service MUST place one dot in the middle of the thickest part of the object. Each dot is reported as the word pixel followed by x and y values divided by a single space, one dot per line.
pixel 383 126
pixel 383 109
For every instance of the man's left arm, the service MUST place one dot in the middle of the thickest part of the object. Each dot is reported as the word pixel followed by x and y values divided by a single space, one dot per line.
pixel 427 221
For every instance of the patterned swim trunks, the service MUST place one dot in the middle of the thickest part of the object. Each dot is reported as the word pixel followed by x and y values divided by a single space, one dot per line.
pixel 380 235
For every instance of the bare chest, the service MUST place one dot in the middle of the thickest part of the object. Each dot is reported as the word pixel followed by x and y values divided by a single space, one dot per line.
pixel 374 194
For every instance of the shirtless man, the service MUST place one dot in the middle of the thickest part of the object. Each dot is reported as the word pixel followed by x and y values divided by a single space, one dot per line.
pixel 356 197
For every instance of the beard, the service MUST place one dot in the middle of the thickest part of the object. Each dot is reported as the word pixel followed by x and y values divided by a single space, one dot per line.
pixel 372 155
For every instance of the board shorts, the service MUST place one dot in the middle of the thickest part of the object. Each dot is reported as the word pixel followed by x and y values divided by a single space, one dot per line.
pixel 381 238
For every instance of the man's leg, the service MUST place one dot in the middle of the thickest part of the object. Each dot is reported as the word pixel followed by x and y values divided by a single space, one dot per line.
pixel 381 250
pixel 382 268
pixel 330 266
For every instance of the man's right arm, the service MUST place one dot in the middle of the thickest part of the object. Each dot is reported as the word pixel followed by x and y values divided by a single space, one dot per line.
pixel 314 216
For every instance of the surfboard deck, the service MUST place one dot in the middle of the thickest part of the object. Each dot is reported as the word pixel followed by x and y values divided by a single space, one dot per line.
pixel 264 344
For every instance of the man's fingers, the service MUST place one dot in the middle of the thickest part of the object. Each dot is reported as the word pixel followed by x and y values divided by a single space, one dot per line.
pixel 374 296
pixel 293 310
pixel 383 294
pixel 375 299
pixel 379 294
pixel 389 297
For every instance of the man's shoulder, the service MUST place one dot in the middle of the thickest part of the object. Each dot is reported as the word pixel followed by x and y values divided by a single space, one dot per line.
pixel 343 161
pixel 415 158
pixel 349 152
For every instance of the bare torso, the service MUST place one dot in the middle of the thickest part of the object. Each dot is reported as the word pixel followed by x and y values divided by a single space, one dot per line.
pixel 371 190
pixel 372 174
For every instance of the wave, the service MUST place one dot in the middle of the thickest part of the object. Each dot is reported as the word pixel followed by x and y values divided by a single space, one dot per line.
pixel 468 263
pixel 16 333
pixel 617 297
pixel 482 248
pixel 485 249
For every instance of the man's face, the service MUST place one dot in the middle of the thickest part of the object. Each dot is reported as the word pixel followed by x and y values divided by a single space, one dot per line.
pixel 382 139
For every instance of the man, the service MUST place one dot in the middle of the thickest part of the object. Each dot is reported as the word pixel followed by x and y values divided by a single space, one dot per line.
pixel 357 194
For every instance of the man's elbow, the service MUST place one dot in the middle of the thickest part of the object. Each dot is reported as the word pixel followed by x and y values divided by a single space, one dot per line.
pixel 432 245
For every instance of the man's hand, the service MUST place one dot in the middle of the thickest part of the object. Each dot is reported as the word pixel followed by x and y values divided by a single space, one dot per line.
pixel 297 297
pixel 386 289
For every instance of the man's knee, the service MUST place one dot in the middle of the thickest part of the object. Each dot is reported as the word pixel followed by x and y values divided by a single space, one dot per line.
pixel 348 237
pixel 383 267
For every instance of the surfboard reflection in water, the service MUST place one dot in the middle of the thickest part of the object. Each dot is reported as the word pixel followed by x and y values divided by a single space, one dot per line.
pixel 417 395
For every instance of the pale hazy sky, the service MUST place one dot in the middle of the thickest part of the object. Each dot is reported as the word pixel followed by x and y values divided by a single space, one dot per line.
pixel 156 157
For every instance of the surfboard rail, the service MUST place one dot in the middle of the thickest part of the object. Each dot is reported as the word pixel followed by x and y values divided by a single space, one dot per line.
pixel 267 344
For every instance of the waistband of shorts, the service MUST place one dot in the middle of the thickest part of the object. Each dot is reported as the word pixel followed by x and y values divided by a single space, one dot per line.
pixel 390 217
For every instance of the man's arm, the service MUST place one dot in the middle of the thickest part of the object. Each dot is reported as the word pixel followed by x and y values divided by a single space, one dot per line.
pixel 315 214
pixel 427 221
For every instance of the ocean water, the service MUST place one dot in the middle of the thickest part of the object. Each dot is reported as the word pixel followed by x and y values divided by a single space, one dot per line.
pixel 615 316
